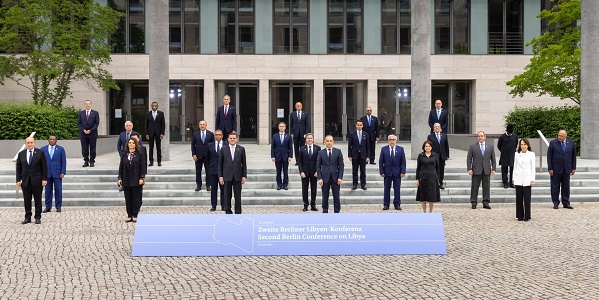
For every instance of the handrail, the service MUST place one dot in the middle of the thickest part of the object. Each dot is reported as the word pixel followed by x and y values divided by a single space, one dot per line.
pixel 22 148
pixel 541 152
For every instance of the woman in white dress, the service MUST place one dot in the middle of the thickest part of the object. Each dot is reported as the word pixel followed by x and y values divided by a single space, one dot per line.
pixel 524 179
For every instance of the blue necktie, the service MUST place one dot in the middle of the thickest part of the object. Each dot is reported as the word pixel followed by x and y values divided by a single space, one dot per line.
pixel 217 148
pixel 368 121
pixel 393 153
pixel 310 151
pixel 30 157
pixel 51 152
pixel 482 148
pixel 203 137
pixel 282 138
pixel 360 137
pixel 564 147
pixel 439 138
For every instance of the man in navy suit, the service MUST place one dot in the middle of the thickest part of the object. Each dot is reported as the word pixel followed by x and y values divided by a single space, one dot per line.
pixel 441 147
pixel 88 121
pixel 212 154
pixel 226 118
pixel 232 172
pixel 298 127
pixel 155 127
pixel 392 167
pixel 281 153
pixel 199 146
pixel 561 163
pixel 56 161
pixel 329 166
pixel 32 175
pixel 438 115
pixel 371 126
pixel 480 163
pixel 306 162
pixel 358 151
pixel 124 137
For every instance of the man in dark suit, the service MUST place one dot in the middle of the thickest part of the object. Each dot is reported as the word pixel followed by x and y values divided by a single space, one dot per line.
pixel 226 117
pixel 329 166
pixel 88 121
pixel 480 163
pixel 124 137
pixel 507 144
pixel 212 154
pixel 306 162
pixel 298 127
pixel 561 163
pixel 371 126
pixel 392 167
pixel 32 175
pixel 358 151
pixel 232 172
pixel 441 147
pixel 155 126
pixel 199 145
pixel 438 115
pixel 281 153
pixel 56 162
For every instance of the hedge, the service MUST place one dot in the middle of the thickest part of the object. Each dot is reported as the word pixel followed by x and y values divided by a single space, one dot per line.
pixel 550 120
pixel 17 121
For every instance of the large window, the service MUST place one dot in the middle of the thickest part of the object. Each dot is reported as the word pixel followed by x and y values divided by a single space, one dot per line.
pixel 184 26
pixel 236 31
pixel 396 14
pixel 345 19
pixel 506 27
pixel 290 26
pixel 130 35
pixel 452 26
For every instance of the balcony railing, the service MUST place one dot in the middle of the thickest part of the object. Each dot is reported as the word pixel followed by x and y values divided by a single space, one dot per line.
pixel 506 43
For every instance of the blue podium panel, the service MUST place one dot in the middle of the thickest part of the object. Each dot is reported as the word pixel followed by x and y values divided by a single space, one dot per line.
pixel 289 234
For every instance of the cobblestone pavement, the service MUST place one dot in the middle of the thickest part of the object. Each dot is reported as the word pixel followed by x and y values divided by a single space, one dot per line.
pixel 85 253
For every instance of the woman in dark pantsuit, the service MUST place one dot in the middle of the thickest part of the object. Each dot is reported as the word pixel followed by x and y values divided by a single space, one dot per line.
pixel 132 170
pixel 427 177
pixel 524 179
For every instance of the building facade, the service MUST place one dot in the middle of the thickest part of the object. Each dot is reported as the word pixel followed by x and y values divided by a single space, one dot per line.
pixel 334 56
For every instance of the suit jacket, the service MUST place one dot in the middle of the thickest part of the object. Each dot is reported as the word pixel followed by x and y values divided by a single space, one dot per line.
pixel 122 142
pixel 58 163
pixel 226 124
pixel 442 149
pixel 392 167
pixel 197 147
pixel 443 120
pixel 281 151
pixel 479 164
pixel 299 127
pixel 88 123
pixel 230 169
pixel 373 129
pixel 358 150
pixel 32 174
pixel 212 156
pixel 304 162
pixel 130 171
pixel 155 127
pixel 524 168
pixel 558 161
pixel 330 167
pixel 507 145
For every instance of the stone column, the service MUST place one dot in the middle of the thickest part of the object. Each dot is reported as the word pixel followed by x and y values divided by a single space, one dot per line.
pixel 159 64
pixel 263 119
pixel 421 73
pixel 318 112
pixel 589 63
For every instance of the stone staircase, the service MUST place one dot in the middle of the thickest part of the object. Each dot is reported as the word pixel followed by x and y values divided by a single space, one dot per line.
pixel 170 187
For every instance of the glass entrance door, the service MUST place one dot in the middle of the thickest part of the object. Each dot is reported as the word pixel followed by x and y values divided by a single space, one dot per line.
pixel 344 104
pixel 284 95
pixel 244 97
pixel 395 109
pixel 186 101
pixel 455 96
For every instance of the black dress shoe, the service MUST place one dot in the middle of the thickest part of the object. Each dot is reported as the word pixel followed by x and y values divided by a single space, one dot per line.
pixel 278 188
pixel 121 189
pixel 285 188
pixel 222 209
pixel 38 221
pixel 385 207
pixel 58 210
pixel 526 220
pixel 441 186
pixel 364 188
pixel 512 185
pixel 473 205
pixel 305 208
pixel 520 219
pixel 46 210
pixel 85 165
pixel 91 165
pixel 313 208
pixel 372 163
pixel 198 189
pixel 151 164
pixel 26 221
pixel 505 185
pixel 569 207
pixel 487 206
pixel 353 188
pixel 160 164
pixel 208 188
pixel 213 209
pixel 555 207
pixel 397 207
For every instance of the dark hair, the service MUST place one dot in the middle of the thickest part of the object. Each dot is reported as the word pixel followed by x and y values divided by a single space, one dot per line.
pixel 137 134
pixel 359 121
pixel 233 133
pixel 427 142
pixel 136 144
pixel 282 123
pixel 527 144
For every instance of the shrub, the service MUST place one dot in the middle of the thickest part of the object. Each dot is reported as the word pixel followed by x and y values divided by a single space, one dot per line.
pixel 17 121
pixel 550 120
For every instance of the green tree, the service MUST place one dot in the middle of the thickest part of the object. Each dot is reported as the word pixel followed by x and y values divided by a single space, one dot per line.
pixel 555 66
pixel 48 44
